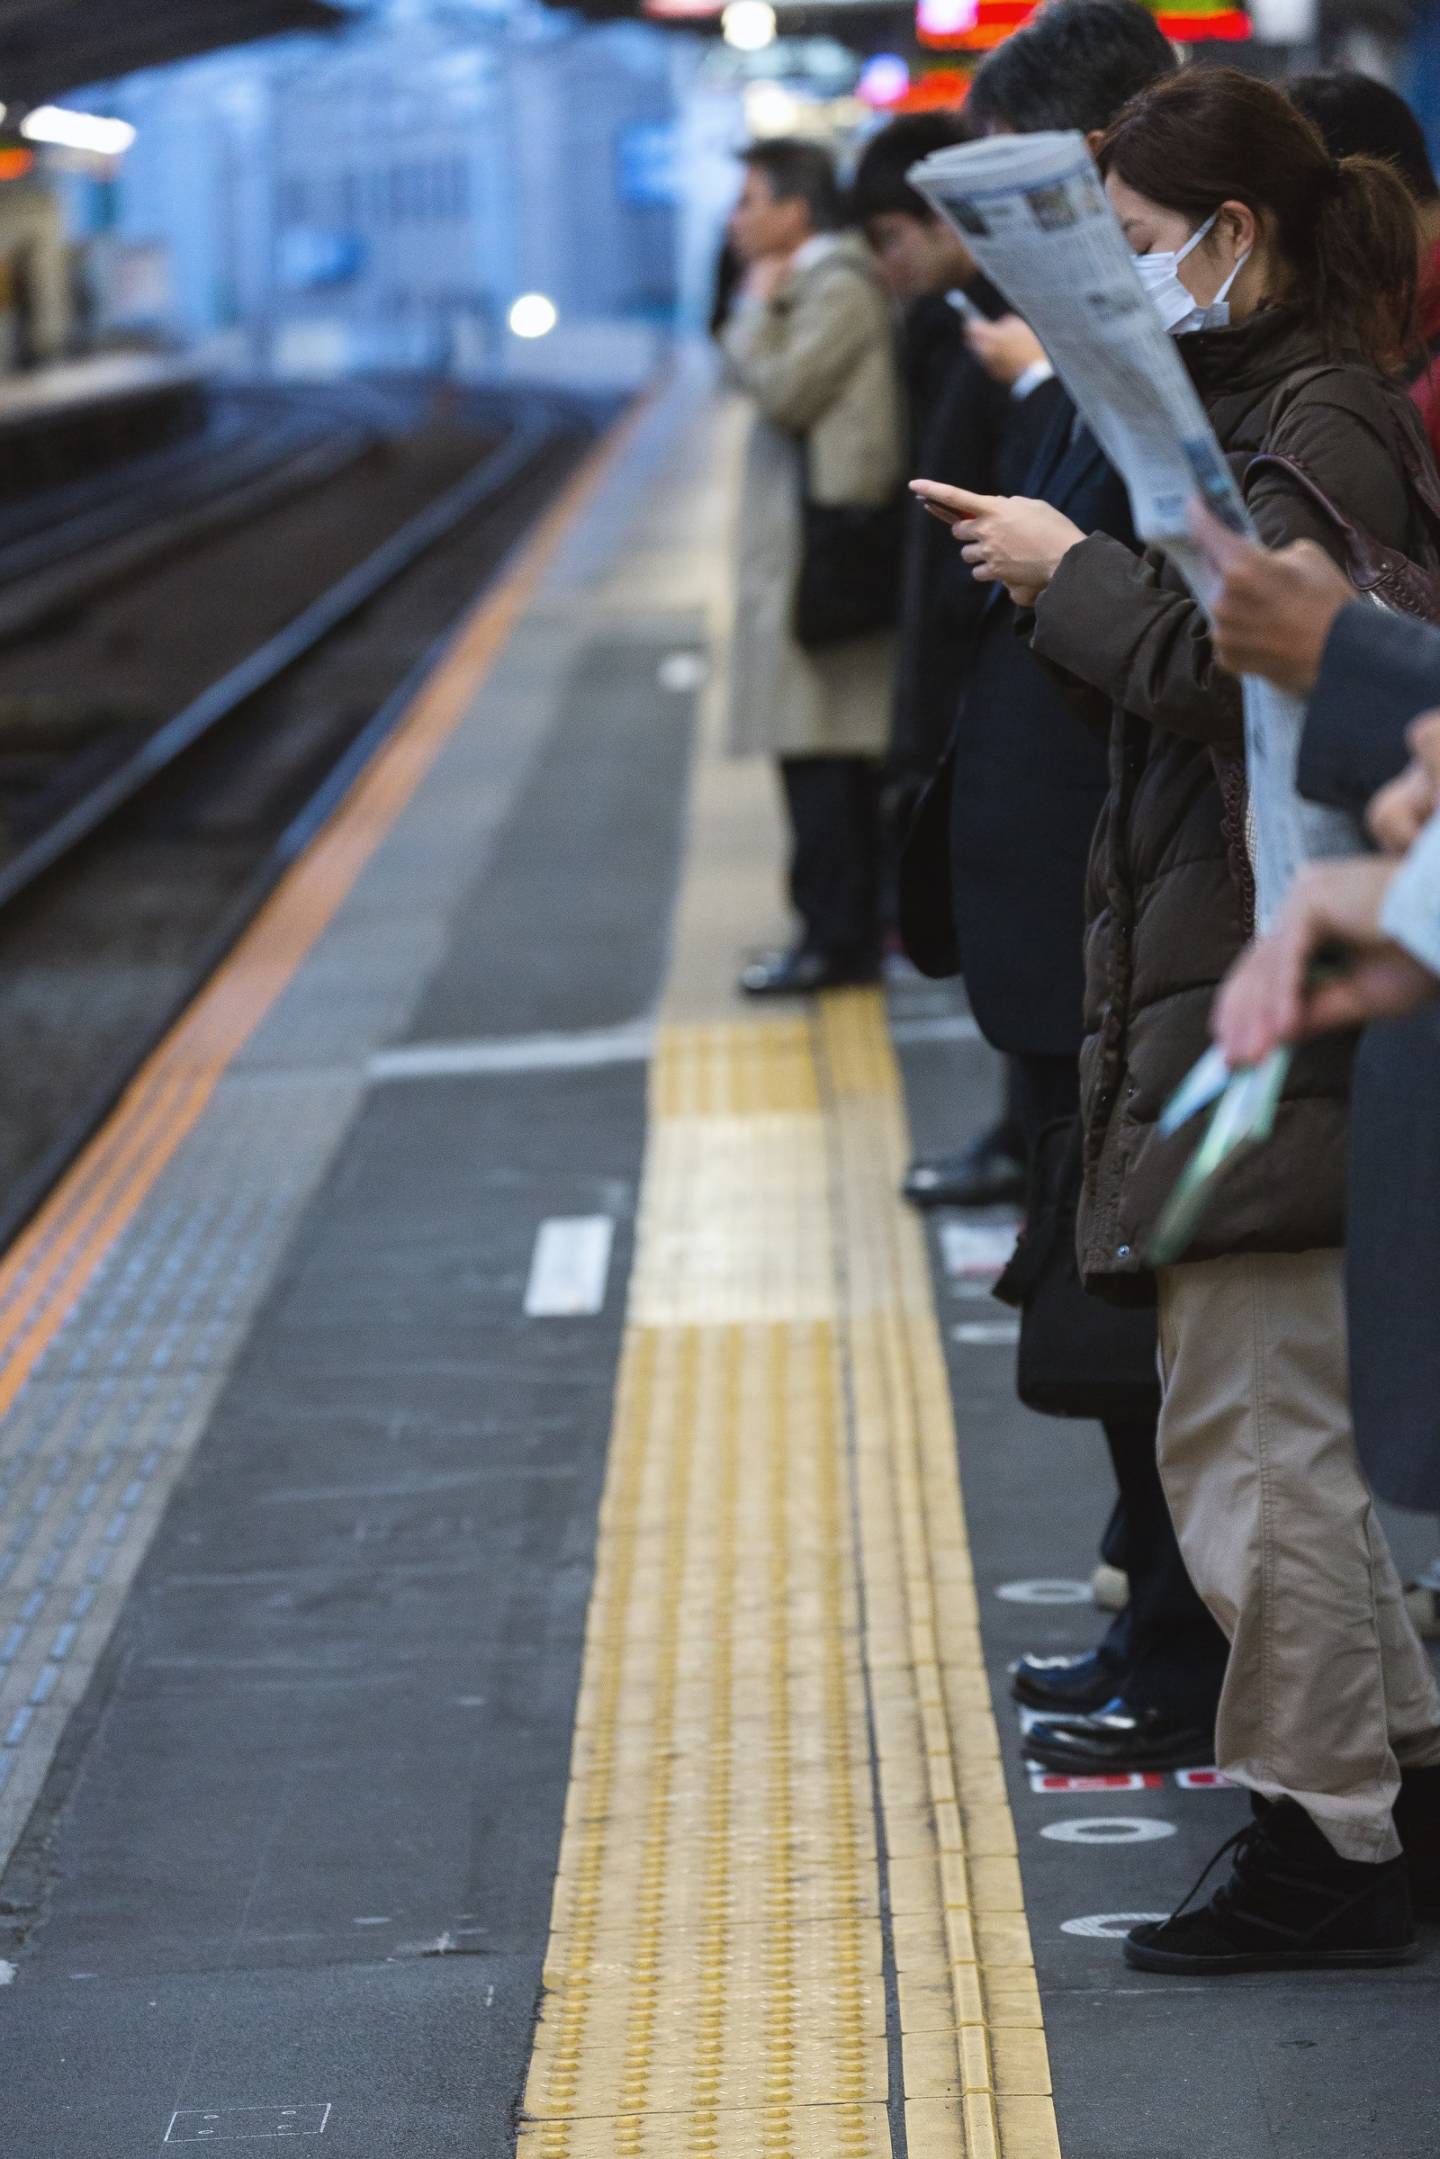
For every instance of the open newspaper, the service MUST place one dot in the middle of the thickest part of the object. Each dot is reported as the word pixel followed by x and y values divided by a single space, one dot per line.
pixel 1034 214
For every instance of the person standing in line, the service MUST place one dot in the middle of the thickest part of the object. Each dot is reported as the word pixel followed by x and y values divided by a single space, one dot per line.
pixel 975 429
pixel 1293 618
pixel 994 878
pixel 1360 117
pixel 1290 282
pixel 811 341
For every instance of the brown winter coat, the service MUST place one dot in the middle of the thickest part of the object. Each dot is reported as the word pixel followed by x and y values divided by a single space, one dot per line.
pixel 1171 901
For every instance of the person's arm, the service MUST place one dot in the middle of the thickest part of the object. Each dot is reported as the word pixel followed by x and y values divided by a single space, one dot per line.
pixel 1113 620
pixel 1379 670
pixel 1124 626
pixel 795 353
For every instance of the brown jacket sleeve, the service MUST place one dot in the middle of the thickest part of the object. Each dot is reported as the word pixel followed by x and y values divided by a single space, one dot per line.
pixel 1126 624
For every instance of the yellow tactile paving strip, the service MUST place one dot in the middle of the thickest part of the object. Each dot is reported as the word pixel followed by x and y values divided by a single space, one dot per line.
pixel 783 1622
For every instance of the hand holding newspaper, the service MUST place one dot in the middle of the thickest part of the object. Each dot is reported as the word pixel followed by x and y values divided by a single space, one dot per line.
pixel 1034 214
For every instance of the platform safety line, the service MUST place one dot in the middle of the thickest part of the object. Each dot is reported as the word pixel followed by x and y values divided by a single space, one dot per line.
pixel 715 1977
pixel 992 2070
pixel 50 1264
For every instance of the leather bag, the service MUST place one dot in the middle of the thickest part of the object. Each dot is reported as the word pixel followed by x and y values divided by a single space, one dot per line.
pixel 849 582
pixel 1079 1355
pixel 1385 576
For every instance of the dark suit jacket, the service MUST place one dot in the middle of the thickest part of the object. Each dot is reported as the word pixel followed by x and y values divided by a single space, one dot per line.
pixel 993 878
pixel 968 430
pixel 1380 672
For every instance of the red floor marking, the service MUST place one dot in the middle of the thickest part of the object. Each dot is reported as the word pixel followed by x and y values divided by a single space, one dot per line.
pixel 1202 1780
pixel 1048 1780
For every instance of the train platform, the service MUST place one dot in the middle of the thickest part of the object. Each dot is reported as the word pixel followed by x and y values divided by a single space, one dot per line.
pixel 511 1536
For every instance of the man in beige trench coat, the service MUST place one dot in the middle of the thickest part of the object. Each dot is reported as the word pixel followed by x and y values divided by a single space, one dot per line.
pixel 812 344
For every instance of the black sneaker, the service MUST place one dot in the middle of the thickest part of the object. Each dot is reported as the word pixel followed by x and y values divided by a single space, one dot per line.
pixel 1068 1685
pixel 1292 1904
pixel 1120 1739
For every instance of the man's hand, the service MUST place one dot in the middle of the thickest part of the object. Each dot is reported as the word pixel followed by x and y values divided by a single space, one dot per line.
pixel 767 276
pixel 1269 998
pixel 1006 539
pixel 1006 349
pixel 1401 811
pixel 1275 611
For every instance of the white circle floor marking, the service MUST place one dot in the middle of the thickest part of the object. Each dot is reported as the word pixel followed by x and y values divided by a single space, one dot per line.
pixel 1111 1926
pixel 1044 1592
pixel 681 671
pixel 1109 1829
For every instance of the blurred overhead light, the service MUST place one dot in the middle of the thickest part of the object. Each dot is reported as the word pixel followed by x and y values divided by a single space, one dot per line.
pixel 749 25
pixel 770 109
pixel 944 19
pixel 1286 22
pixel 884 80
pixel 77 130
pixel 533 315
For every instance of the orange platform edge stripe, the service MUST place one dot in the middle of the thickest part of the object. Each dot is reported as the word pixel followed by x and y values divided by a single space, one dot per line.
pixel 48 1267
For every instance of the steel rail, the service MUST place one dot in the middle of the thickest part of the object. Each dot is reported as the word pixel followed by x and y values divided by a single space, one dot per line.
pixel 261 669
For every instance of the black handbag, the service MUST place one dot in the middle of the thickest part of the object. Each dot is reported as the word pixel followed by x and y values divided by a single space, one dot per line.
pixel 1079 1356
pixel 849 582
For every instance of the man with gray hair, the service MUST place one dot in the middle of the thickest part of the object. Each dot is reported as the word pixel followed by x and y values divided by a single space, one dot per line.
pixel 811 342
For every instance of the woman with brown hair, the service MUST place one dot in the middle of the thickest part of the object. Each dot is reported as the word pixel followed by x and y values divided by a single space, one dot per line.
pixel 1290 281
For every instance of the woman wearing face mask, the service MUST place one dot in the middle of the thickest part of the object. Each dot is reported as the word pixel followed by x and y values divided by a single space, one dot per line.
pixel 1290 282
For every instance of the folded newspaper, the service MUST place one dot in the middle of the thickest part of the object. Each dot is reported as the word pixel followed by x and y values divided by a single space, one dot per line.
pixel 1035 216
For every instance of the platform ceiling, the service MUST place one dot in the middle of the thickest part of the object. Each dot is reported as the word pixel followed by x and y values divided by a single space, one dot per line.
pixel 50 46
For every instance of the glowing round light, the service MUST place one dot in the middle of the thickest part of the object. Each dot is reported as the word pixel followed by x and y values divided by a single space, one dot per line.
pixel 770 109
pixel 533 315
pixel 749 25
pixel 948 18
pixel 883 80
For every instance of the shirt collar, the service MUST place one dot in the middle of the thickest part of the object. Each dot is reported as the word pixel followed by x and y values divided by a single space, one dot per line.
pixel 816 249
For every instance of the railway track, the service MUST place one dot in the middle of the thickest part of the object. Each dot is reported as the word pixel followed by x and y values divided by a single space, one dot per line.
pixel 139 869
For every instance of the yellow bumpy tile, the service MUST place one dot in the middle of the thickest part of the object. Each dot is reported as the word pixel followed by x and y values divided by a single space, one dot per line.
pixel 783 1627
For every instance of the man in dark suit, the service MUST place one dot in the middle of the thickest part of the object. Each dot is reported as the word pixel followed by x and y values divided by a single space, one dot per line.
pixel 994 879
pixel 978 431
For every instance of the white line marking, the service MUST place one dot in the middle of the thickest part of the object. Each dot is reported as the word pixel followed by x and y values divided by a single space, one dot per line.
pixel 1110 1926
pixel 948 1027
pixel 1109 1829
pixel 1047 1591
pixel 986 1333
pixel 7 1974
pixel 570 1267
pixel 632 1044
pixel 971 1249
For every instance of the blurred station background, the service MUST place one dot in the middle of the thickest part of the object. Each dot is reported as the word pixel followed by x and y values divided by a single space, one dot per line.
pixel 477 189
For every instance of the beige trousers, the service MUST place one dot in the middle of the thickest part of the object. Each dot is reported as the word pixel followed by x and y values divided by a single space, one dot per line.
pixel 1328 1693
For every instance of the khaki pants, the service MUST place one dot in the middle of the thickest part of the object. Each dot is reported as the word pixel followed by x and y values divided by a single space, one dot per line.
pixel 1328 1693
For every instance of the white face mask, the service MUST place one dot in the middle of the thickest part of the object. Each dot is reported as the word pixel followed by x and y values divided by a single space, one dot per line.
pixel 1175 304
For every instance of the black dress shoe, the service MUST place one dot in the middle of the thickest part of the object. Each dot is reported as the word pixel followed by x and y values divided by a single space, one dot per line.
pixel 1120 1740
pixel 804 971
pixel 1291 1904
pixel 984 1174
pixel 1071 1685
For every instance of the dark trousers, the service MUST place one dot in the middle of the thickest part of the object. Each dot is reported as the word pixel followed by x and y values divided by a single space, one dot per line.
pixel 835 855
pixel 1166 1650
